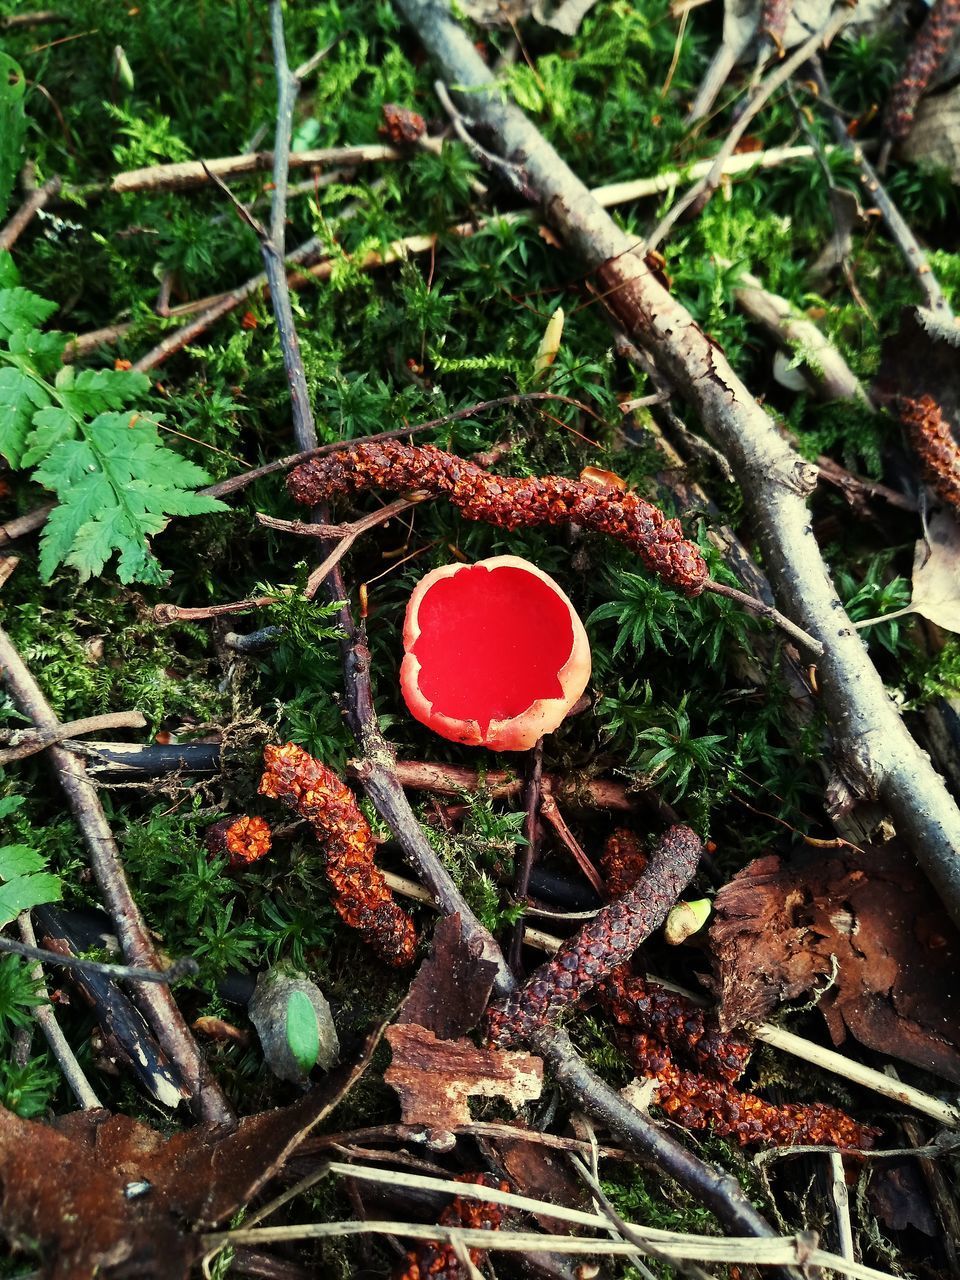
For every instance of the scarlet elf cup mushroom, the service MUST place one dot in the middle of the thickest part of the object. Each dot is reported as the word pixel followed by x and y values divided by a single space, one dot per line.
pixel 494 653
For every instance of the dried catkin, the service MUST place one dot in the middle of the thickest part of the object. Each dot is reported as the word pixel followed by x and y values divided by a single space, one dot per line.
pixel 930 47
pixel 509 502
pixel 653 1025
pixel 601 946
pixel 244 840
pixel 931 436
pixel 361 896
pixel 432 1260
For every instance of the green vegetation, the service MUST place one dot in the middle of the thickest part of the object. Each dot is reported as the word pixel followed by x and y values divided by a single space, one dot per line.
pixel 689 697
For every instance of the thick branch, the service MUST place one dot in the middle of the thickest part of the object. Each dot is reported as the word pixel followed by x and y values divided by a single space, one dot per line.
pixel 868 730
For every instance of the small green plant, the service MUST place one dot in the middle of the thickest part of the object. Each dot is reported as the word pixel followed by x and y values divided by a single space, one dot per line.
pixel 27 883
pixel 116 483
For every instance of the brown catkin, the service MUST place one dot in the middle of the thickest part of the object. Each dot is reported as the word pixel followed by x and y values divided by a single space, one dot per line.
pixel 360 893
pixel 930 47
pixel 433 1260
pixel 510 502
pixel 637 1006
pixel 601 946
pixel 931 437
pixel 652 1025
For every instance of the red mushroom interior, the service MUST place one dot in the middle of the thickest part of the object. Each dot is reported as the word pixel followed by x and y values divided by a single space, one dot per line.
pixel 491 643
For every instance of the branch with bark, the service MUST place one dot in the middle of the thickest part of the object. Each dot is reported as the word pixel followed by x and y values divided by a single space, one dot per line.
pixel 873 745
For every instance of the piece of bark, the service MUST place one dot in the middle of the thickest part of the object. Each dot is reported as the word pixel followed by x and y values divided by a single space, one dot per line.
pixel 434 1079
pixel 867 930
pixel 126 1199
pixel 452 986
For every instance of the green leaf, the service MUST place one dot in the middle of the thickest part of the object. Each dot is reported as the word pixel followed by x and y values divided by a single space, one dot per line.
pixel 51 426
pixel 21 309
pixel 117 487
pixel 9 804
pixel 13 124
pixel 20 398
pixel 19 860
pixel 25 892
pixel 303 1031
pixel 97 390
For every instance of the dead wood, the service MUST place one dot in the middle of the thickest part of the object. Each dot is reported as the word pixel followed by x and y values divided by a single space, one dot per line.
pixel 156 1000
pixel 874 747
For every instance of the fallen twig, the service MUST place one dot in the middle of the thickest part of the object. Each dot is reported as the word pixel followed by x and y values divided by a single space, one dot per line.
pixel 34 202
pixel 80 1086
pixel 27 742
pixel 533 796
pixel 156 999
pixel 185 968
pixel 896 223
pixel 871 738
pixel 699 194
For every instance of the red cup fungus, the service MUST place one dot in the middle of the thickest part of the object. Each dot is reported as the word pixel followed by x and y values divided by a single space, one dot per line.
pixel 495 654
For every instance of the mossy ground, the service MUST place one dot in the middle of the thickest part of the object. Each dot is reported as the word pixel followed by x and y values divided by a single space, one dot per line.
pixel 469 318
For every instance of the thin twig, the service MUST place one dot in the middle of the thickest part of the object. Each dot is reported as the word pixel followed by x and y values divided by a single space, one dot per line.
pixel 27 742
pixel 511 173
pixel 896 224
pixel 41 17
pixel 156 999
pixel 80 1086
pixel 530 851
pixel 197 173
pixel 22 525
pixel 841 1204
pixel 34 202
pixel 764 610
pixel 184 968
pixel 698 195
pixel 551 811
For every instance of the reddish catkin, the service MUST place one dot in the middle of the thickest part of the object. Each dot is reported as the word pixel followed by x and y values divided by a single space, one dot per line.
pixel 622 862
pixel 507 501
pixel 243 840
pixel 931 436
pixel 699 1101
pixel 930 47
pixel 431 1260
pixel 652 1024
pixel 637 1006
pixel 601 946
pixel 360 893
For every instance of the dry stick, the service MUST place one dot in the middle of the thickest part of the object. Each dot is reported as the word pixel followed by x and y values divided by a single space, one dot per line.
pixel 454 780
pixel 896 223
pixel 34 202
pixel 869 734
pixel 80 1086
pixel 38 19
pixel 22 525
pixel 551 811
pixel 197 173
pixel 698 195
pixel 185 968
pixel 27 742
pixel 157 1002
pixel 531 831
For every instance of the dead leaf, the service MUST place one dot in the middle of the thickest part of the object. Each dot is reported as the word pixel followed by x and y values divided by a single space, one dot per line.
pixel 435 1079
pixel 126 1198
pixel 866 930
pixel 936 576
pixel 452 986
pixel 899 1199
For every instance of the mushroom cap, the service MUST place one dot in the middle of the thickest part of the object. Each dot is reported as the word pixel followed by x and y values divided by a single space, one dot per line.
pixel 494 653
